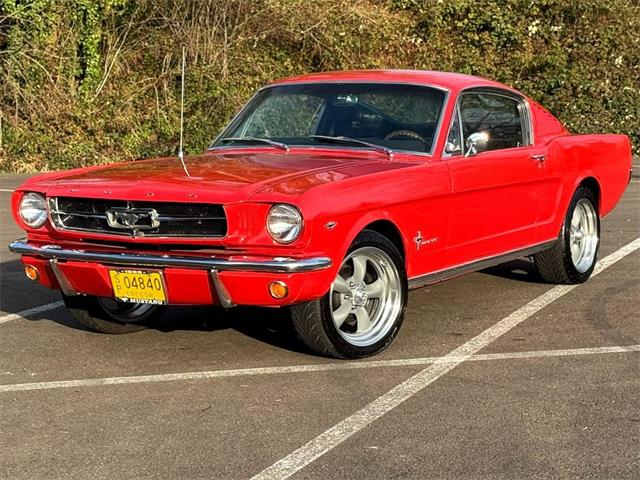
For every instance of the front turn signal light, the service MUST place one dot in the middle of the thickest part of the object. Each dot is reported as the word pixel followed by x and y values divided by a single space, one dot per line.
pixel 278 290
pixel 31 272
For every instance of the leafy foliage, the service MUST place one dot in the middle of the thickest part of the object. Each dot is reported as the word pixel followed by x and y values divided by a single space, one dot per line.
pixel 93 81
pixel 579 58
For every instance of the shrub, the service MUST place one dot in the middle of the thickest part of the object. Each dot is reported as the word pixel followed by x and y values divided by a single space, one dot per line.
pixel 94 81
pixel 579 58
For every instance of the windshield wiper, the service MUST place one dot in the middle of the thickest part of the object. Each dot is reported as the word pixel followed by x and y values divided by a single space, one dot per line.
pixel 353 141
pixel 280 145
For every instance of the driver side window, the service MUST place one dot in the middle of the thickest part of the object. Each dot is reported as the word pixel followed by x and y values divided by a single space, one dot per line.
pixel 497 115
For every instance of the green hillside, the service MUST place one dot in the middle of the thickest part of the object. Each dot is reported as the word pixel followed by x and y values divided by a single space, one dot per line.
pixel 93 81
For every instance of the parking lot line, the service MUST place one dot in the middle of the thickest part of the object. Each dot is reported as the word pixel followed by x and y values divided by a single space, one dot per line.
pixel 8 190
pixel 322 367
pixel 30 311
pixel 351 425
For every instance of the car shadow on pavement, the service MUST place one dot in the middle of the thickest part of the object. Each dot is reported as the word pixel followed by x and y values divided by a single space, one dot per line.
pixel 268 325
pixel 522 270
pixel 17 293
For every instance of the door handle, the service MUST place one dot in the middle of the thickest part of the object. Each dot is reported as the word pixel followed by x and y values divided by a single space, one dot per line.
pixel 538 157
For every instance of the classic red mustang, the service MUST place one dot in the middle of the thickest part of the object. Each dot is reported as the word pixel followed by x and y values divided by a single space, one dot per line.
pixel 332 193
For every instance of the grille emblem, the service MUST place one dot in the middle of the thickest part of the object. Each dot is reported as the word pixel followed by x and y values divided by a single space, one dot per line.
pixel 133 218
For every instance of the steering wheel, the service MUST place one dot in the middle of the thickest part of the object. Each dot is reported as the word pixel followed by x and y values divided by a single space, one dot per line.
pixel 406 133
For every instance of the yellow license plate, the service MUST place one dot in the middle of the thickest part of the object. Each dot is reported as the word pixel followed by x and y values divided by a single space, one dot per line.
pixel 138 286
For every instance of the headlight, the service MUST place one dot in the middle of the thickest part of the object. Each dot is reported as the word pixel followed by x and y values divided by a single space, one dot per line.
pixel 284 223
pixel 33 209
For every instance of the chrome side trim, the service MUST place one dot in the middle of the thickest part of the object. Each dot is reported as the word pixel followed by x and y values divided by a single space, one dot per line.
pixel 220 290
pixel 275 265
pixel 63 281
pixel 441 275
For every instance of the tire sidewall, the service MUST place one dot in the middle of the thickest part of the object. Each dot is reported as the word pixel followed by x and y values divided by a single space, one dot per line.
pixel 367 238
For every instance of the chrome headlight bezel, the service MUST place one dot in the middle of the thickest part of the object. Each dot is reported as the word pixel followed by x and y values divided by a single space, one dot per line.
pixel 284 223
pixel 33 209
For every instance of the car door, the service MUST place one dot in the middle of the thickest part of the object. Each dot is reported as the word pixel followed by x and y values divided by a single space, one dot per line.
pixel 495 190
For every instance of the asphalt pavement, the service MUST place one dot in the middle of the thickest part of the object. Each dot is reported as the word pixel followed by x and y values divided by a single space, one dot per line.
pixel 494 375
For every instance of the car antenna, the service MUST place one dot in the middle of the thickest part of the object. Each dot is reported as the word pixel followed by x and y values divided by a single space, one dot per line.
pixel 180 150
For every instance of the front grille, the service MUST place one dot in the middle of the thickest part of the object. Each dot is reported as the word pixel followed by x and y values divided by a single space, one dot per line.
pixel 173 219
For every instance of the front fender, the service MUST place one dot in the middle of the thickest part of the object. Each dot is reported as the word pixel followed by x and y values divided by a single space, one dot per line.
pixel 334 234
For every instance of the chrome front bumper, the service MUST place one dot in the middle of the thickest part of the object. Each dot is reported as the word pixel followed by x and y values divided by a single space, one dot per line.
pixel 213 265
pixel 275 265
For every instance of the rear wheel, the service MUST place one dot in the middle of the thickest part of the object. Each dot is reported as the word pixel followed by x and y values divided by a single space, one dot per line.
pixel 573 256
pixel 362 312
pixel 106 315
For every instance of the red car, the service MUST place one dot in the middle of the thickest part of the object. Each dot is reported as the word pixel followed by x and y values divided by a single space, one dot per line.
pixel 331 193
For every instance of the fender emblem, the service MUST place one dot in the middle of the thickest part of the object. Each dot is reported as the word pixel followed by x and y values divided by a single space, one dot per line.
pixel 330 225
pixel 419 241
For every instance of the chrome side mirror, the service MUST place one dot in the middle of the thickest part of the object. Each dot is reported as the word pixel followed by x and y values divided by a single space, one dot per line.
pixel 476 143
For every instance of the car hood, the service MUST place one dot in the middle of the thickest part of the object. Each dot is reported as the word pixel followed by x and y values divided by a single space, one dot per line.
pixel 212 177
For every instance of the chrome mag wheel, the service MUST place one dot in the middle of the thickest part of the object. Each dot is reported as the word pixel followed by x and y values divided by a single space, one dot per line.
pixel 583 235
pixel 366 296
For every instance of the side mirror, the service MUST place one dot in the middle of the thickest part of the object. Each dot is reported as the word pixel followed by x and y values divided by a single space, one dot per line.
pixel 476 143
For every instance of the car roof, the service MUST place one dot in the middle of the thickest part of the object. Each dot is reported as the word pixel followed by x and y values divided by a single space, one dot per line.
pixel 447 80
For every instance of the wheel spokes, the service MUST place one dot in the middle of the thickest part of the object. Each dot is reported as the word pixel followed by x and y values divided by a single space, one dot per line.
pixel 341 314
pixel 359 268
pixel 364 322
pixel 375 289
pixel 341 285
pixel 366 296
pixel 575 219
pixel 575 252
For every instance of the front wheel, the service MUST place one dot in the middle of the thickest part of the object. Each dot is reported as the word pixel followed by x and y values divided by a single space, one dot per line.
pixel 573 256
pixel 106 315
pixel 364 308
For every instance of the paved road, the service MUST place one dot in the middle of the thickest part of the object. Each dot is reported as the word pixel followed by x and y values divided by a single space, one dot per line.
pixel 229 394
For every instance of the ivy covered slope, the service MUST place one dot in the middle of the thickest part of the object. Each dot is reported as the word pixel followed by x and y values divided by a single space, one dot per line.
pixel 93 81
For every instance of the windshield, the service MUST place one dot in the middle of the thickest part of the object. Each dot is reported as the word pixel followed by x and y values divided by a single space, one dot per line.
pixel 395 116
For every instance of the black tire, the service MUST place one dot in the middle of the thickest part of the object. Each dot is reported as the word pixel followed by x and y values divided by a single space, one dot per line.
pixel 555 264
pixel 92 313
pixel 313 321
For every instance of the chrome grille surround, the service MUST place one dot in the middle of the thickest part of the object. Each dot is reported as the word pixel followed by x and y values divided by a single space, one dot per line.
pixel 173 219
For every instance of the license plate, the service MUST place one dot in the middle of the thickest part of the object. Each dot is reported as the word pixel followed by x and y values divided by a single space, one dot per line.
pixel 138 286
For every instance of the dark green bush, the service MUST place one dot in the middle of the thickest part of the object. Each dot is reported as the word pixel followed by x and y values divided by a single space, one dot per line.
pixel 579 58
pixel 91 81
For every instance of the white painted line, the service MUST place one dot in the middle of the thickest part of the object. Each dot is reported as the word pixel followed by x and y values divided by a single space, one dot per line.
pixel 30 311
pixel 323 367
pixel 554 353
pixel 351 425
pixel 6 190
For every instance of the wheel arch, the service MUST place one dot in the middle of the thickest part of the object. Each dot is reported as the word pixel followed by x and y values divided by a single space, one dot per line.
pixel 382 223
pixel 389 229
pixel 592 184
